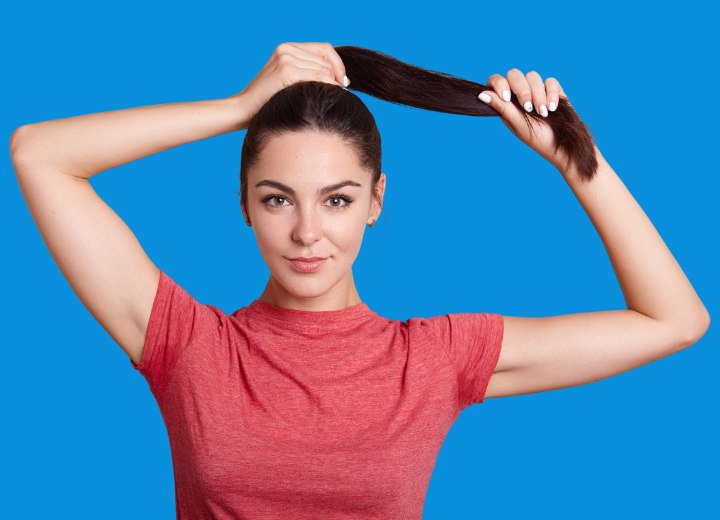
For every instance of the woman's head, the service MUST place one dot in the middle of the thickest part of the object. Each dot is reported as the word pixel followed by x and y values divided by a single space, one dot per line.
pixel 310 181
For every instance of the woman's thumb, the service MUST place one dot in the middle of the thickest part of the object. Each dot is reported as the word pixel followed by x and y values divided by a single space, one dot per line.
pixel 501 106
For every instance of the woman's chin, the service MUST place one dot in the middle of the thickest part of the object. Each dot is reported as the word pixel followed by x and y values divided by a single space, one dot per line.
pixel 302 286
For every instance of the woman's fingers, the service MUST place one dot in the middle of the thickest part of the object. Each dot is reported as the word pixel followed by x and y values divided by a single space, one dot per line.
pixel 304 54
pixel 553 91
pixel 320 71
pixel 519 84
pixel 530 92
pixel 529 89
pixel 325 53
pixel 298 58
pixel 538 92
pixel 500 85
pixel 509 113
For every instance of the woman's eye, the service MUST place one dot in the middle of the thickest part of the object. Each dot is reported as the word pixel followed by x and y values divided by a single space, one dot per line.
pixel 336 199
pixel 267 200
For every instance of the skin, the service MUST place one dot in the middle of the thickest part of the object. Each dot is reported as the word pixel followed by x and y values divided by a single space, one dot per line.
pixel 307 224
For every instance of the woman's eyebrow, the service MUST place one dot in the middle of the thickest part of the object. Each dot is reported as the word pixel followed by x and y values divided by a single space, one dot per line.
pixel 321 191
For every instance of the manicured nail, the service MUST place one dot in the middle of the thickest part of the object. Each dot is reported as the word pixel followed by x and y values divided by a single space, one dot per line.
pixel 506 94
pixel 528 106
pixel 552 106
pixel 346 81
pixel 543 111
pixel 485 97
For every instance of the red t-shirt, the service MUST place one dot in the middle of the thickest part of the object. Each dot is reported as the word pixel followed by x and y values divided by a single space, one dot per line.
pixel 282 413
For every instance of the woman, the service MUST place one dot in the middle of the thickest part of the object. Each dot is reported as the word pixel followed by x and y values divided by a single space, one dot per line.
pixel 306 403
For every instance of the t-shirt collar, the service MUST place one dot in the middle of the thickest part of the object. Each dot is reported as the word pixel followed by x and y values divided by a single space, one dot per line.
pixel 301 319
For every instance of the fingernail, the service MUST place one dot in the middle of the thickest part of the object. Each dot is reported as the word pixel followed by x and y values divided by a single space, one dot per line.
pixel 485 97
pixel 506 95
pixel 552 106
pixel 346 81
pixel 528 106
pixel 543 111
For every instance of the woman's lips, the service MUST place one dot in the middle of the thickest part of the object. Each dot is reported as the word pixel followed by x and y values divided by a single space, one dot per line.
pixel 307 267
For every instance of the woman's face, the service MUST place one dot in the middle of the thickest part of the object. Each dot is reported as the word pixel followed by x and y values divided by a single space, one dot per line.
pixel 295 212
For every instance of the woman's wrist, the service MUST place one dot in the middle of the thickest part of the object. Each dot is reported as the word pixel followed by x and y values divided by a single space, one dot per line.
pixel 239 105
pixel 570 172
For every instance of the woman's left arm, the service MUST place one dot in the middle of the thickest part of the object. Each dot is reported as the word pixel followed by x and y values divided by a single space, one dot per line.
pixel 652 282
pixel 664 314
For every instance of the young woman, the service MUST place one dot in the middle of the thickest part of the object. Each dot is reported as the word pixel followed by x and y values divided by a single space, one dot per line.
pixel 306 403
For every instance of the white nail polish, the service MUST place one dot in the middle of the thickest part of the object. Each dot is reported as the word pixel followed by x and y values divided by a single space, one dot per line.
pixel 552 106
pixel 506 94
pixel 484 96
pixel 528 106
pixel 543 111
pixel 346 81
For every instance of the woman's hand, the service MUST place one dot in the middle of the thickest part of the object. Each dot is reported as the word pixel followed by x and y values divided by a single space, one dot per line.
pixel 291 63
pixel 533 94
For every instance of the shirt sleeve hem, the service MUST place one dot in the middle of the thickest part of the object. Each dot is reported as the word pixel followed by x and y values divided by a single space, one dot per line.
pixel 496 323
pixel 153 327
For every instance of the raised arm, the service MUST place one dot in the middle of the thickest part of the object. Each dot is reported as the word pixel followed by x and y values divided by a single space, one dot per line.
pixel 95 250
pixel 663 315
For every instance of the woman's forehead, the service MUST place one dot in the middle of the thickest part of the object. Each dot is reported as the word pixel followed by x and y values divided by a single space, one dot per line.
pixel 307 151
pixel 307 162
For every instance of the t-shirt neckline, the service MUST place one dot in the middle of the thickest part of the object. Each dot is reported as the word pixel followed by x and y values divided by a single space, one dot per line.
pixel 315 320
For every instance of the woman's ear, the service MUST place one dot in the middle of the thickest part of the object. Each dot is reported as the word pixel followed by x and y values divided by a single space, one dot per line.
pixel 245 214
pixel 376 207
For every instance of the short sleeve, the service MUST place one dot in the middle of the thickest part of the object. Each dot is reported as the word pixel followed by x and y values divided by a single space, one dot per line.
pixel 472 341
pixel 177 320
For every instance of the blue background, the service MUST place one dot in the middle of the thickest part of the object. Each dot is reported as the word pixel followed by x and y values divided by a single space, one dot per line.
pixel 83 436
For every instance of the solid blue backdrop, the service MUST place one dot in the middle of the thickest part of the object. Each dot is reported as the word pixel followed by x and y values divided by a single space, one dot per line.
pixel 83 436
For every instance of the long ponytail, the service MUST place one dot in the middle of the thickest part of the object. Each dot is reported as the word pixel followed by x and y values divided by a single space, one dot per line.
pixel 387 78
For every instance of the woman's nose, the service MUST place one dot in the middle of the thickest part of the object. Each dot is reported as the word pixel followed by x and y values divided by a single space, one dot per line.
pixel 307 227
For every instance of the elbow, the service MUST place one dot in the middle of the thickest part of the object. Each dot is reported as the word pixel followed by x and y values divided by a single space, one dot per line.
pixel 18 146
pixel 697 330
pixel 18 136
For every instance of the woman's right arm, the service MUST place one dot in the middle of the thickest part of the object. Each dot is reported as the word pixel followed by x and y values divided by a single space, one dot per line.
pixel 95 250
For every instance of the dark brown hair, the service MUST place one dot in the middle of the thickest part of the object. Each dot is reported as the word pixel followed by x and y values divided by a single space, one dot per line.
pixel 320 106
